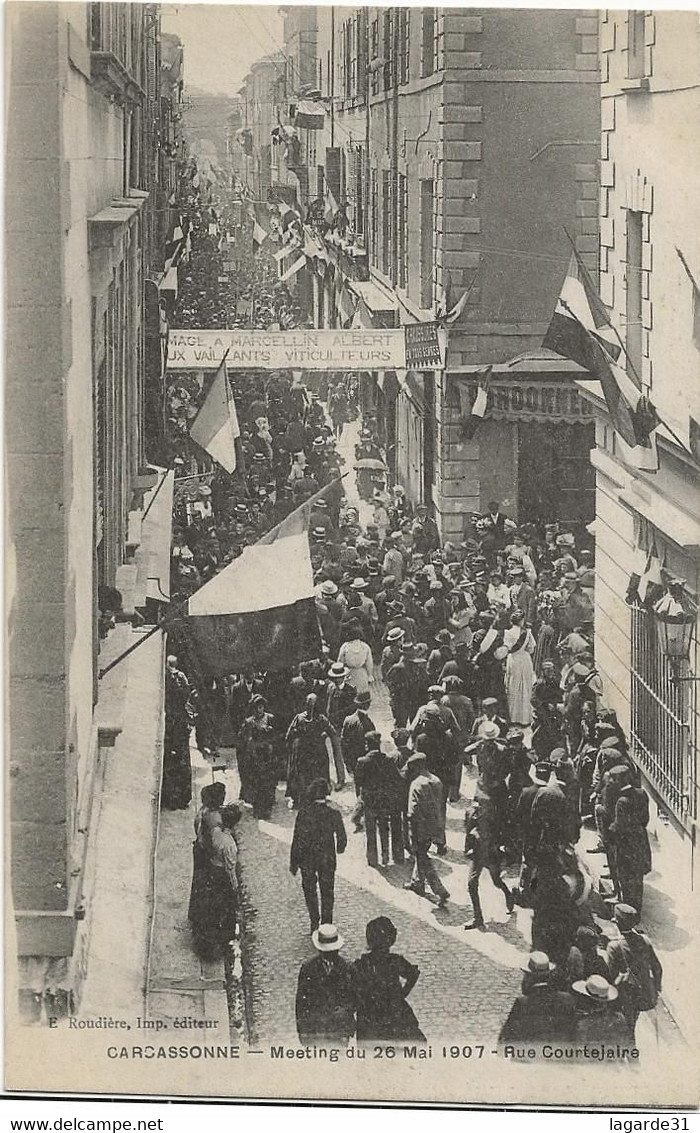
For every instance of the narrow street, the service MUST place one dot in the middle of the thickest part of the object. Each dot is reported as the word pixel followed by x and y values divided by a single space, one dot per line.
pixel 472 978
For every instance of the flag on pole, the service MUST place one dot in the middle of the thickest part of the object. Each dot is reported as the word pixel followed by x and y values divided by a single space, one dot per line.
pixel 582 331
pixel 362 317
pixel 298 264
pixel 346 307
pixel 260 611
pixel 651 583
pixel 259 234
pixel 215 428
pixel 330 206
pixel 450 312
pixel 473 413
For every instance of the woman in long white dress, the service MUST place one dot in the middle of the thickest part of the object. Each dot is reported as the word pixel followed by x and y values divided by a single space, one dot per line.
pixel 520 673
pixel 357 655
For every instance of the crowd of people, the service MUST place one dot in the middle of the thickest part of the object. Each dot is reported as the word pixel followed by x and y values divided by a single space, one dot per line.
pixel 485 648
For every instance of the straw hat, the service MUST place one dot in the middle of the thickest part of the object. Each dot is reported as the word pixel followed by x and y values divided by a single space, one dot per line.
pixel 326 938
pixel 538 964
pixel 596 987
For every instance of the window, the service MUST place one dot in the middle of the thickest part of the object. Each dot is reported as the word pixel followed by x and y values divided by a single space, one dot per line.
pixel 387 225
pixel 362 32
pixel 401 272
pixel 427 57
pixel 374 54
pixel 635 45
pixel 388 50
pixel 663 719
pixel 358 179
pixel 427 192
pixel 349 59
pixel 374 217
pixel 633 345
pixel 404 45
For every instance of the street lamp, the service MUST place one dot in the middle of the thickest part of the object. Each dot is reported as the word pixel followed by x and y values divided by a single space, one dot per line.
pixel 676 615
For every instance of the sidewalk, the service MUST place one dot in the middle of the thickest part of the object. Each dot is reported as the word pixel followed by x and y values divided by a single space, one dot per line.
pixel 180 984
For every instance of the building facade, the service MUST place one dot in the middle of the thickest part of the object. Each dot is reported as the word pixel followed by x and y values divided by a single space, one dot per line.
pixel 650 281
pixel 83 107
pixel 462 149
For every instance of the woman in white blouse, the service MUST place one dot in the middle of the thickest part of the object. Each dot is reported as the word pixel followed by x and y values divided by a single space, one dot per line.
pixel 357 655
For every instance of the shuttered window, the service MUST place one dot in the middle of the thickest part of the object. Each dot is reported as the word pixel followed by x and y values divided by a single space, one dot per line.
pixel 401 230
pixel 404 44
pixel 387 210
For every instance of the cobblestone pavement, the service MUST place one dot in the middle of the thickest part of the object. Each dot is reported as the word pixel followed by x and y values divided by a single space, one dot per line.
pixel 468 980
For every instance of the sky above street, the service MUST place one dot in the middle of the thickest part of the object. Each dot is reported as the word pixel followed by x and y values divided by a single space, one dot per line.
pixel 222 40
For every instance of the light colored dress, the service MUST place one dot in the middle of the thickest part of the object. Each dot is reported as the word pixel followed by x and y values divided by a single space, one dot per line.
pixel 357 655
pixel 520 676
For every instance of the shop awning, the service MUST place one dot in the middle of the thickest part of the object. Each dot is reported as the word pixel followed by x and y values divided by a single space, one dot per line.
pixel 373 296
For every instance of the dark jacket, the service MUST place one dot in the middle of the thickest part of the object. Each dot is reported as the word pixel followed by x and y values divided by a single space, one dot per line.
pixel 542 1016
pixel 325 1003
pixel 629 830
pixel 318 832
pixel 379 783
pixel 601 1023
pixel 352 737
pixel 340 703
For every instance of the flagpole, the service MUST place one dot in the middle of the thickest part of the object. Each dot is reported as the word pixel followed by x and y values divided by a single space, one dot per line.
pixel 618 336
pixel 306 504
pixel 165 625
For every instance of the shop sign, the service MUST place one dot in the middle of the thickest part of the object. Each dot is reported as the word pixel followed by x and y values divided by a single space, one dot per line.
pixel 422 346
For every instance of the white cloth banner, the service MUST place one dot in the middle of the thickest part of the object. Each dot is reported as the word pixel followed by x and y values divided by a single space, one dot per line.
pixel 362 349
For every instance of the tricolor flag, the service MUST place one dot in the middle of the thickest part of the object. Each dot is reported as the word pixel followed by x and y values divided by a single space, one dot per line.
pixel 452 311
pixel 346 307
pixel 260 611
pixel 310 115
pixel 473 413
pixel 259 234
pixel 296 266
pixel 362 317
pixel 581 330
pixel 330 206
pixel 651 583
pixel 215 428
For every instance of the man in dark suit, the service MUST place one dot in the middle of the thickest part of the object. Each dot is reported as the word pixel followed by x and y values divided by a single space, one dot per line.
pixel 381 788
pixel 318 833
pixel 325 1003
pixel 541 1014
pixel 494 526
pixel 628 834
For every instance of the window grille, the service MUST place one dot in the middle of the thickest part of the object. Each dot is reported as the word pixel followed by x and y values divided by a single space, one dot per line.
pixel 664 736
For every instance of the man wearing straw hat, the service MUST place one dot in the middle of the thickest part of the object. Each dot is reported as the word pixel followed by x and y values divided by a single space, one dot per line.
pixel 541 1014
pixel 600 1020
